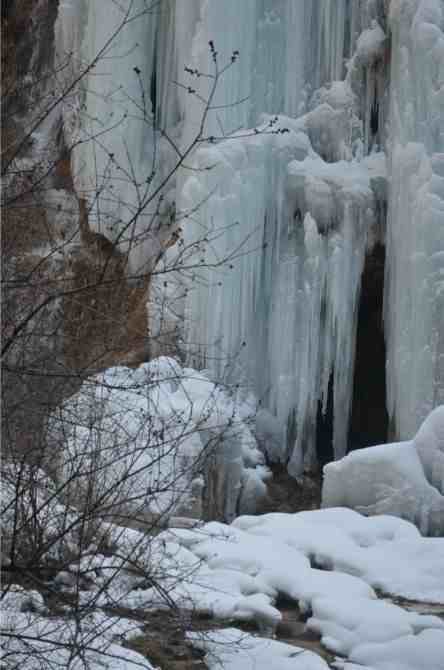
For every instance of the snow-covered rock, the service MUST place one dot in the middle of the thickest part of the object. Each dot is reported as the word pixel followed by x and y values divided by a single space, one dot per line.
pixel 141 439
pixel 429 445
pixel 232 649
pixel 404 479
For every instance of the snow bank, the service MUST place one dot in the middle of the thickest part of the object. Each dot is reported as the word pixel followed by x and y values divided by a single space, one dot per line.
pixel 237 571
pixel 385 552
pixel 36 642
pixel 144 438
pixel 233 650
pixel 405 479
pixel 329 561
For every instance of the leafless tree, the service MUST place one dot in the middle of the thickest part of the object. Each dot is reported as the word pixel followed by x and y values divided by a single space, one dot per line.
pixel 73 306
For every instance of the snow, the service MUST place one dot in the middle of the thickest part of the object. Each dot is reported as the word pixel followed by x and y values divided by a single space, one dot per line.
pixel 352 622
pixel 329 562
pixel 404 479
pixel 233 650
pixel 429 445
pixel 149 434
pixel 236 572
pixel 50 642
pixel 413 652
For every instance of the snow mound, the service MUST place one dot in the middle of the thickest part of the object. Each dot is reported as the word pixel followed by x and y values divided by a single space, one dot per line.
pixel 233 650
pixel 35 642
pixel 429 445
pixel 145 440
pixel 405 479
pixel 330 562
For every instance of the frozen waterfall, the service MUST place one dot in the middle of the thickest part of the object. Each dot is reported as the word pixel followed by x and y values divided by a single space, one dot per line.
pixel 281 223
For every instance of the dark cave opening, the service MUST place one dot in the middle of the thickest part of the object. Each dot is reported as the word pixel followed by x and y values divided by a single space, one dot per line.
pixel 324 429
pixel 369 419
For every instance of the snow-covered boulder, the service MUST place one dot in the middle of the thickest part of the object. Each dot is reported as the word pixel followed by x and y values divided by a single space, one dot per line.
pixel 405 479
pixel 159 439
pixel 429 445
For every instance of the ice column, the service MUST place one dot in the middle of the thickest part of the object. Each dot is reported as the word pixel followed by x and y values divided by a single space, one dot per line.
pixel 414 298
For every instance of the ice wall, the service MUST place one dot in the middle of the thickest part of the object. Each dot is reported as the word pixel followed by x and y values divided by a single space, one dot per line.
pixel 414 298
pixel 122 54
pixel 277 219
pixel 293 214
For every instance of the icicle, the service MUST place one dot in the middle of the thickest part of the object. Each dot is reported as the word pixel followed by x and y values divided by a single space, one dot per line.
pixel 414 297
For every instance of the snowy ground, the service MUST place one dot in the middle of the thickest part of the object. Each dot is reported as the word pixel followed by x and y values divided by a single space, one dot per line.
pixel 334 563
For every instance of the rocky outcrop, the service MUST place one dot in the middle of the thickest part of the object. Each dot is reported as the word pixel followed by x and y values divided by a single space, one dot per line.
pixel 68 307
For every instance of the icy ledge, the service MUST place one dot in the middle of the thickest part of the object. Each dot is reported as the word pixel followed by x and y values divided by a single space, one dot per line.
pixel 405 479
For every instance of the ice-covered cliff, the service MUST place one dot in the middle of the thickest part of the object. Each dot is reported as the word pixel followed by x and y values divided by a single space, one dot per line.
pixel 286 227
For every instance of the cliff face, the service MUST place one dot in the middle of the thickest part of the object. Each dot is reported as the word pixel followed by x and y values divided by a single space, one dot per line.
pixel 67 307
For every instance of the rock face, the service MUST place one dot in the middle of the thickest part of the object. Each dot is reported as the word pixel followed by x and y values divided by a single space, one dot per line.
pixel 405 479
pixel 68 307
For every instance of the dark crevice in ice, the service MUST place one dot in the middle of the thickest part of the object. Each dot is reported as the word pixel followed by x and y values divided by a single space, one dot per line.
pixel 369 419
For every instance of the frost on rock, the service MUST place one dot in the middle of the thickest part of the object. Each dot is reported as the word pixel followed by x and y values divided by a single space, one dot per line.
pixel 141 440
pixel 404 479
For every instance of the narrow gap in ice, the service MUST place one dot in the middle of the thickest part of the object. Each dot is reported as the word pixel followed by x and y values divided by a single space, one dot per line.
pixel 369 419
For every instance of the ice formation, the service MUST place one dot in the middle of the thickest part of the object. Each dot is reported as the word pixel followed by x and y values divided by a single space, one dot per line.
pixel 148 440
pixel 414 298
pixel 282 221
pixel 405 479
